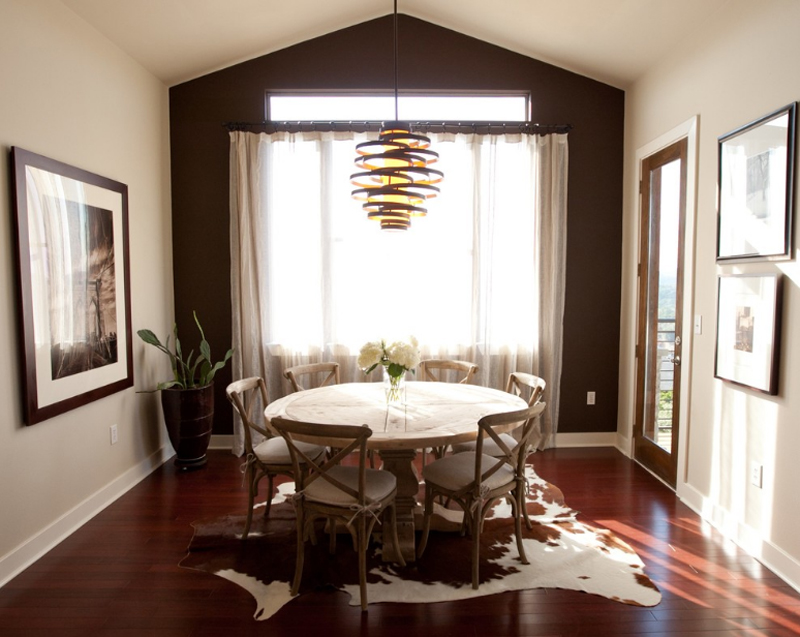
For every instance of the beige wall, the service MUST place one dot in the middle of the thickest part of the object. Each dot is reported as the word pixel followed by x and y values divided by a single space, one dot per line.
pixel 740 65
pixel 69 94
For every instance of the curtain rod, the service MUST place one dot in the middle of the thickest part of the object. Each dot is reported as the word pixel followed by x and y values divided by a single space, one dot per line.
pixel 485 128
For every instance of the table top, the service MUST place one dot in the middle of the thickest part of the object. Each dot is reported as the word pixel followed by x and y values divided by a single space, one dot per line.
pixel 433 414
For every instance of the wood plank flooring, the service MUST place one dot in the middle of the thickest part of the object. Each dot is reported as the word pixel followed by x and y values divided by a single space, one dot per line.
pixel 119 576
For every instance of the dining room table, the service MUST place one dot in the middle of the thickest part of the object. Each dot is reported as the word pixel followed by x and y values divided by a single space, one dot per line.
pixel 429 414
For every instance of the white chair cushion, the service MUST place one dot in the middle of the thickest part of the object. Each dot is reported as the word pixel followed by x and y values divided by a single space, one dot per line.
pixel 457 471
pixel 379 484
pixel 275 451
pixel 490 447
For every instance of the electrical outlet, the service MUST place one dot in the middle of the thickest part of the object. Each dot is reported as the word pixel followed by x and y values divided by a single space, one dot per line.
pixel 590 398
pixel 114 434
pixel 756 474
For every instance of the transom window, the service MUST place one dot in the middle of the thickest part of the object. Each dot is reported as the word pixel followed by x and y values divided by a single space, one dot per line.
pixel 309 107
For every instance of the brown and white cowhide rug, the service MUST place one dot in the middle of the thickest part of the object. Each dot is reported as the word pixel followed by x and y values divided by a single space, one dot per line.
pixel 563 553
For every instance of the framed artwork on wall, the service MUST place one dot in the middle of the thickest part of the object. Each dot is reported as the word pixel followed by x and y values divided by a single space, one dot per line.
pixel 74 285
pixel 748 330
pixel 756 189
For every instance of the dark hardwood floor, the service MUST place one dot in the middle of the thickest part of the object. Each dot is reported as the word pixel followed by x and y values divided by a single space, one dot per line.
pixel 118 575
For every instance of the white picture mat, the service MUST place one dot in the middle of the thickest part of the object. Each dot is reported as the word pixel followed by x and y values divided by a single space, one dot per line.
pixel 749 363
pixel 42 184
pixel 753 190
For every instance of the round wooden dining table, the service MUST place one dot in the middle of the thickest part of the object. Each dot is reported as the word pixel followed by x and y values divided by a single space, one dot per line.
pixel 431 415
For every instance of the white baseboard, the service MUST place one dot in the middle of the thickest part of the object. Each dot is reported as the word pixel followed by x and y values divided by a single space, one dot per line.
pixel 31 550
pixel 749 539
pixel 599 439
pixel 221 442
pixel 623 443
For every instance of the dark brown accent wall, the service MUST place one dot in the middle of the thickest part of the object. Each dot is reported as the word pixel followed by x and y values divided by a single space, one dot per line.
pixel 431 58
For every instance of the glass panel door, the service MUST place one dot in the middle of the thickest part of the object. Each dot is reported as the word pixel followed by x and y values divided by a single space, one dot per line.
pixel 660 309
pixel 662 366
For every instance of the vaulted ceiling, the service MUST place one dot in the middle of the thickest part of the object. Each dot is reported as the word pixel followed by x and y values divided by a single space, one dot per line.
pixel 613 41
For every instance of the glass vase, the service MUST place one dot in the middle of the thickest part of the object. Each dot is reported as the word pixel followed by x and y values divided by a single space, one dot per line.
pixel 395 388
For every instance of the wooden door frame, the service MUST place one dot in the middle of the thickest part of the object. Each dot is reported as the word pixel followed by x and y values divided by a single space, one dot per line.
pixel 663 463
pixel 689 130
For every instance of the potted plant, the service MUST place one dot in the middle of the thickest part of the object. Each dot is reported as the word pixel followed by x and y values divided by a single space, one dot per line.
pixel 188 399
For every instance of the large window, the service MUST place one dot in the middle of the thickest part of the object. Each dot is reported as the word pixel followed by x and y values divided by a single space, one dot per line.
pixel 480 278
pixel 454 279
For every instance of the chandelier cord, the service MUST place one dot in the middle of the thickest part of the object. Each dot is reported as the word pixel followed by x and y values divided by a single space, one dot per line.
pixel 396 65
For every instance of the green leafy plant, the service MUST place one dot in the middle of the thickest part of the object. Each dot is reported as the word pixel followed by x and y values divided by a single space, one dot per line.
pixel 190 372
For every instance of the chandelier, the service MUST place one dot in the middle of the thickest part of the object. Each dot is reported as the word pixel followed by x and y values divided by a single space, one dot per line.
pixel 395 177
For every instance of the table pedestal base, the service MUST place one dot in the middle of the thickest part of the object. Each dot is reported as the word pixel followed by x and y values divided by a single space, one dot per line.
pixel 401 463
pixel 409 512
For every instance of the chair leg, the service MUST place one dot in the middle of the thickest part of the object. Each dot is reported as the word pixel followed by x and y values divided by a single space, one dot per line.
pixel 301 551
pixel 331 535
pixel 528 523
pixel 251 496
pixel 426 526
pixel 270 484
pixel 518 515
pixel 362 559
pixel 477 520
pixel 395 540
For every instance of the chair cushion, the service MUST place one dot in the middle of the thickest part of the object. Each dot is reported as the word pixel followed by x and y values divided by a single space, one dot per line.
pixel 457 471
pixel 490 447
pixel 379 484
pixel 275 451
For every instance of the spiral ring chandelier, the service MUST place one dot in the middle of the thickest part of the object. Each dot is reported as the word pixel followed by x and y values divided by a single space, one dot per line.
pixel 395 177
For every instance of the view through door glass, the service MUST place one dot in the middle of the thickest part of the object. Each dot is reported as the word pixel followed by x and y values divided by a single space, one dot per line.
pixel 656 432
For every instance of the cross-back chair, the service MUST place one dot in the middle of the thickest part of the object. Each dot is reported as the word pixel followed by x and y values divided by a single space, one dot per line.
pixel 268 458
pixel 474 480
pixel 330 370
pixel 522 384
pixel 440 370
pixel 353 495
pixel 519 384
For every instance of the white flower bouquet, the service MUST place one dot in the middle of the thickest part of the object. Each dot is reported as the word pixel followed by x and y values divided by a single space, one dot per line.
pixel 396 357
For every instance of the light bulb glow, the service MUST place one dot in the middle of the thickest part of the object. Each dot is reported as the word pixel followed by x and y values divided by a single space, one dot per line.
pixel 396 177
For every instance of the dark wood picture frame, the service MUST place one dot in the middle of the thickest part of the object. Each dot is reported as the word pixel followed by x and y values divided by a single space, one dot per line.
pixel 748 330
pixel 73 262
pixel 756 189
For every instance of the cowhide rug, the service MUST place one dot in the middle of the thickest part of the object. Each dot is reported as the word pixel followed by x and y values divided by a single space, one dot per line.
pixel 563 553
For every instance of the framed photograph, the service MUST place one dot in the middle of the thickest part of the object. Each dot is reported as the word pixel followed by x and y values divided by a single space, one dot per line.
pixel 756 184
pixel 748 330
pixel 74 285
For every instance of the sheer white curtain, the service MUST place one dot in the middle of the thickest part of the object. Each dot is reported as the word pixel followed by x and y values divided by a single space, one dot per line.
pixel 481 278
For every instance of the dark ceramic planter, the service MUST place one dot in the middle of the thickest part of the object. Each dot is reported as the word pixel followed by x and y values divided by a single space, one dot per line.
pixel 189 416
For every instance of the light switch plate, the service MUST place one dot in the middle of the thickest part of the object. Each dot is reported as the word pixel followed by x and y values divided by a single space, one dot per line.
pixel 756 474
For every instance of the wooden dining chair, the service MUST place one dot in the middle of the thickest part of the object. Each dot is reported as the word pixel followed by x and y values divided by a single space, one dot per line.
pixel 528 386
pixel 268 458
pixel 474 480
pixel 330 369
pixel 441 370
pixel 353 495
